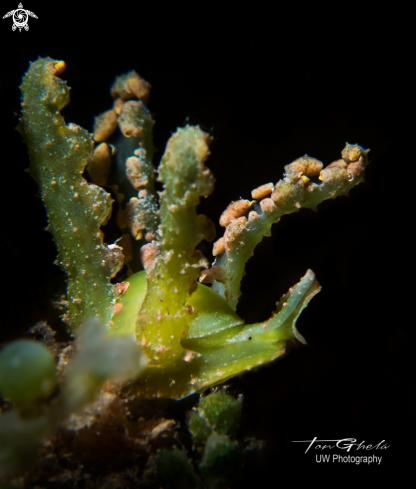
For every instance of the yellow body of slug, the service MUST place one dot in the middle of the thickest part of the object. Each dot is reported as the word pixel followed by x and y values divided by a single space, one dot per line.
pixel 215 343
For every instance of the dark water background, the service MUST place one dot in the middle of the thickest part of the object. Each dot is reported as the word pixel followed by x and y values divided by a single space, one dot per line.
pixel 269 88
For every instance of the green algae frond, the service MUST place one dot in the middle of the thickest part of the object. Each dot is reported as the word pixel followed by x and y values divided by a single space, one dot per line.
pixel 58 154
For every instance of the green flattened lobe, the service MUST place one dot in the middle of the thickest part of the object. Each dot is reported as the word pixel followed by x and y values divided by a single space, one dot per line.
pixel 218 343
pixel 211 314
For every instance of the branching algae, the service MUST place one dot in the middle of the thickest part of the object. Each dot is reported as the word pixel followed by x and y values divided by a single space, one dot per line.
pixel 189 332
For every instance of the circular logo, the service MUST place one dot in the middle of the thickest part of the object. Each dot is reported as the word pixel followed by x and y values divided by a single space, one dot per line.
pixel 20 18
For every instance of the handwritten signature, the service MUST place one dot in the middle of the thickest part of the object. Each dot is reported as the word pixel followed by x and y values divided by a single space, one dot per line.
pixel 342 443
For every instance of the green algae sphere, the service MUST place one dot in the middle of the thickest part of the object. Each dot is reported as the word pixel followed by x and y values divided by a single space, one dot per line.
pixel 27 371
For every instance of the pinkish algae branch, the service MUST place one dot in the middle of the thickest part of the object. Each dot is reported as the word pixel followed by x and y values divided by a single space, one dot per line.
pixel 305 184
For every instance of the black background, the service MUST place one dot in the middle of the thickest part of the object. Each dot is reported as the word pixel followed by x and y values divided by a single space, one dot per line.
pixel 269 86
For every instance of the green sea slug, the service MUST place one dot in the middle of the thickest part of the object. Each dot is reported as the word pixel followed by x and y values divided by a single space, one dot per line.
pixel 190 333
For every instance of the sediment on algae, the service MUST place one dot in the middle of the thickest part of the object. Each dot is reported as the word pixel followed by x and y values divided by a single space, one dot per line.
pixel 127 130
